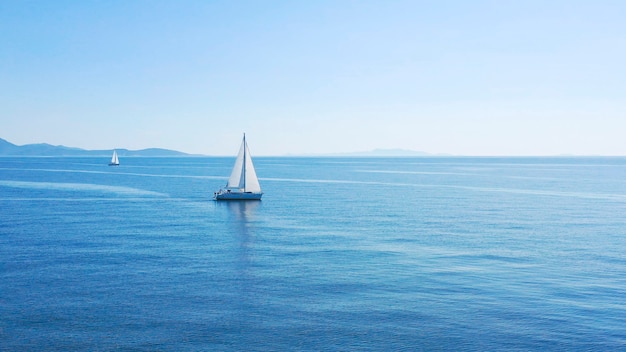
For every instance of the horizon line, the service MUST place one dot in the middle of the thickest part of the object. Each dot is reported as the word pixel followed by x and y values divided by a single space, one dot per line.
pixel 376 152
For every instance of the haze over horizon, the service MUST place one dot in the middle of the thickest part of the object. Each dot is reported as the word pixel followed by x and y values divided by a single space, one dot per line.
pixel 445 77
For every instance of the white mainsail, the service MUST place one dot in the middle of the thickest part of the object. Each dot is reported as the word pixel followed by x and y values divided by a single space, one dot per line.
pixel 243 177
pixel 114 159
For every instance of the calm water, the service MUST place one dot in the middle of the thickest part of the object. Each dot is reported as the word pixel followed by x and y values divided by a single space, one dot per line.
pixel 342 254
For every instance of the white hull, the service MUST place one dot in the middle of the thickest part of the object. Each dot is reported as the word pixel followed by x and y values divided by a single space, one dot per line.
pixel 226 195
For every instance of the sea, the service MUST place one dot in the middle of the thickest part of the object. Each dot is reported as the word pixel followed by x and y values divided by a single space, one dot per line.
pixel 342 254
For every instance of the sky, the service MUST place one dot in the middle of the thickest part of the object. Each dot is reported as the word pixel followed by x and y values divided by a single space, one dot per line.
pixel 459 77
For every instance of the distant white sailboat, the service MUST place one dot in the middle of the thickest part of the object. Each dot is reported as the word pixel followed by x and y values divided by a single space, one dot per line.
pixel 243 183
pixel 115 161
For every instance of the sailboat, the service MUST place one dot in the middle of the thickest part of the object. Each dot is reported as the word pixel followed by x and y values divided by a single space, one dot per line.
pixel 114 160
pixel 243 183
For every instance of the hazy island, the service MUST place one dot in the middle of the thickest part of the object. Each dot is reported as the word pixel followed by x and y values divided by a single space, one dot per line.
pixel 44 149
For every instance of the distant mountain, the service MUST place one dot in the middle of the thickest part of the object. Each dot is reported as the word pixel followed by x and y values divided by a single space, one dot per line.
pixel 45 149
pixel 386 153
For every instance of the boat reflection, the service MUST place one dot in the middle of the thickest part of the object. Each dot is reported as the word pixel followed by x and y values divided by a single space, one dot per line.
pixel 242 218
pixel 242 224
pixel 242 210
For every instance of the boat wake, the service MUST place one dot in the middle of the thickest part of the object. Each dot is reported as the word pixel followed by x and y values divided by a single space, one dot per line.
pixel 119 190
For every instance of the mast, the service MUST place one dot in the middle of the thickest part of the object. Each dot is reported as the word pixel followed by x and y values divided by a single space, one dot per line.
pixel 245 146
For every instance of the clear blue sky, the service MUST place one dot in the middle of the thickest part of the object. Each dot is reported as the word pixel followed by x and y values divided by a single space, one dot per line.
pixel 461 77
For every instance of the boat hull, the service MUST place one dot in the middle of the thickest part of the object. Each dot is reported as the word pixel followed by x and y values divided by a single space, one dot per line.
pixel 237 196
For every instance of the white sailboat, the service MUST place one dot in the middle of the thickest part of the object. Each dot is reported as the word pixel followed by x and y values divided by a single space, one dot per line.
pixel 243 183
pixel 115 161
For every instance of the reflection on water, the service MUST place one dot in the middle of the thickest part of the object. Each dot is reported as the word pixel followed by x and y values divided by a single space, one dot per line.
pixel 243 211
pixel 242 216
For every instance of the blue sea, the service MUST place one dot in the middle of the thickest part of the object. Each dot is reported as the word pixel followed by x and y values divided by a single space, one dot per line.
pixel 342 254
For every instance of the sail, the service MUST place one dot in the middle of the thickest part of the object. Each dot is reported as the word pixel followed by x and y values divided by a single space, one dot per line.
pixel 243 176
pixel 251 182
pixel 236 180
pixel 114 159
